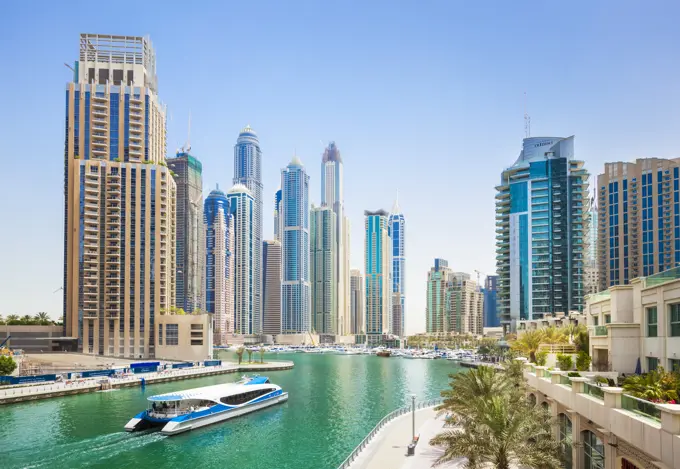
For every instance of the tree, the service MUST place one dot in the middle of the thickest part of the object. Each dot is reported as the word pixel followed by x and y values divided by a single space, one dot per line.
pixel 250 356
pixel 2 320
pixel 27 319
pixel 43 319
pixel 13 320
pixel 564 362
pixel 541 358
pixel 497 426
pixel 528 343
pixel 553 335
pixel 262 350
pixel 7 365
pixel 239 353
pixel 657 385
pixel 583 361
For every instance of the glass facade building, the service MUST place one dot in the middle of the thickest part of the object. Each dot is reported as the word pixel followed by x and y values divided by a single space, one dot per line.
pixel 322 259
pixel 378 267
pixel 271 274
pixel 119 233
pixel 219 264
pixel 248 172
pixel 357 302
pixel 242 209
pixel 296 316
pixel 491 317
pixel 438 278
pixel 190 236
pixel 542 221
pixel 397 228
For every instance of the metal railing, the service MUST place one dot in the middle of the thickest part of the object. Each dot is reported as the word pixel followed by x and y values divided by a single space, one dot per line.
pixel 385 420
pixel 600 331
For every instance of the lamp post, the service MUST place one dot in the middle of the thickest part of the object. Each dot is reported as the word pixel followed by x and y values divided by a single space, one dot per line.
pixel 413 416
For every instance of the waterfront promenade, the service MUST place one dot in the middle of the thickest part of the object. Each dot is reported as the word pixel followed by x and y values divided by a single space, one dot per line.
pixel 388 448
pixel 45 391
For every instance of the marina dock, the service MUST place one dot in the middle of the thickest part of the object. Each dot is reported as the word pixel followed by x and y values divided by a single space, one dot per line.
pixel 12 395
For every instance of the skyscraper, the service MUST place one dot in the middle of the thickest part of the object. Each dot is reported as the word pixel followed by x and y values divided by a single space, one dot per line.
pixel 242 208
pixel 436 314
pixel 491 318
pixel 219 264
pixel 542 215
pixel 333 196
pixel 295 286
pixel 639 219
pixel 591 270
pixel 277 215
pixel 397 232
pixel 378 266
pixel 464 305
pixel 248 171
pixel 357 302
pixel 323 247
pixel 190 237
pixel 271 291
pixel 119 233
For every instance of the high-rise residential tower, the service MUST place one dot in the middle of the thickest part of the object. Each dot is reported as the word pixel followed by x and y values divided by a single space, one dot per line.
pixel 219 264
pixel 322 272
pixel 271 283
pixel 542 215
pixel 397 233
pixel 464 305
pixel 333 196
pixel 242 208
pixel 295 286
pixel 639 223
pixel 357 301
pixel 436 314
pixel 378 266
pixel 491 318
pixel 119 233
pixel 277 215
pixel 591 270
pixel 190 236
pixel 248 172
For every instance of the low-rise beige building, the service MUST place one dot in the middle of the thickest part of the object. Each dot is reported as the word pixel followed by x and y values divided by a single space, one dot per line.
pixel 548 320
pixel 640 321
pixel 601 427
pixel 184 337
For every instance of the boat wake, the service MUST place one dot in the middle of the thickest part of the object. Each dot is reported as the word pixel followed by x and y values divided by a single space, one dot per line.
pixel 95 449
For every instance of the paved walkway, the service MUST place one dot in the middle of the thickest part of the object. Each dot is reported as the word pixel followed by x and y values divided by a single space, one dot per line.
pixel 388 448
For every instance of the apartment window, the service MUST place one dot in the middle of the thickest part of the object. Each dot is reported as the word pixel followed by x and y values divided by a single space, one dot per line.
pixel 196 341
pixel 160 334
pixel 197 327
pixel 171 334
pixel 607 318
pixel 652 363
pixel 675 320
pixel 674 365
pixel 652 322
pixel 593 451
pixel 596 321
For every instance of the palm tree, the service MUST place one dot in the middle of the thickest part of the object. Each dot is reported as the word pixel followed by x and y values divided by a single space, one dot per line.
pixel 528 343
pixel 553 335
pixel 467 388
pixel 250 356
pixel 27 319
pixel 502 432
pixel 262 350
pixel 239 353
pixel 42 318
pixel 12 319
pixel 2 320
pixel 657 385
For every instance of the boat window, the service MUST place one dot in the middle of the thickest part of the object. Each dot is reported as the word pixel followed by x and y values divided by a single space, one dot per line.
pixel 242 398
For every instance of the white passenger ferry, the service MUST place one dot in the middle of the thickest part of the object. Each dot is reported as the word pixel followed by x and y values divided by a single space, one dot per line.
pixel 180 411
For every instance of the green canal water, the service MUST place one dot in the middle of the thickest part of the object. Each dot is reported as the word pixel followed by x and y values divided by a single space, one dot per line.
pixel 334 401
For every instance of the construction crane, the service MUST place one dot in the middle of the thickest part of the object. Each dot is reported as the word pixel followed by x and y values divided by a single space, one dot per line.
pixel 479 285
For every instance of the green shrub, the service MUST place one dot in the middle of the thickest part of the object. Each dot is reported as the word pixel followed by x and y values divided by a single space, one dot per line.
pixel 574 374
pixel 583 361
pixel 541 358
pixel 601 380
pixel 564 361
pixel 7 365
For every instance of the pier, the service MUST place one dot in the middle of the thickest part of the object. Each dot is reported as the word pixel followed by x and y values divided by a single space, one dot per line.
pixel 15 394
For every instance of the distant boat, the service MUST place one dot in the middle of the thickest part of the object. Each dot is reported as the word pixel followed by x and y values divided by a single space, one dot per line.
pixel 384 353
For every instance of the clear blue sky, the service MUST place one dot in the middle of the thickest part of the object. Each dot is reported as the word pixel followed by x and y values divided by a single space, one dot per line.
pixel 421 97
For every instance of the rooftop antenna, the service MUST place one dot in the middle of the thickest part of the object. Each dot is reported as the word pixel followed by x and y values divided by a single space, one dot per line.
pixel 527 119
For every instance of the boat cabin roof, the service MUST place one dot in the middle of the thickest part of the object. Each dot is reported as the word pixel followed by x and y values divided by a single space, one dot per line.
pixel 215 392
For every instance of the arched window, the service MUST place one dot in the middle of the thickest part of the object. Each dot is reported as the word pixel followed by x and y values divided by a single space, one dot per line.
pixel 545 405
pixel 532 399
pixel 593 451
pixel 565 440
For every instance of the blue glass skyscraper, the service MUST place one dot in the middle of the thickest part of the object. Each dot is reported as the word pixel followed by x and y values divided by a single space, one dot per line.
pixel 397 228
pixel 295 285
pixel 248 171
pixel 541 224
pixel 378 266
pixel 218 263
pixel 491 318
pixel 242 208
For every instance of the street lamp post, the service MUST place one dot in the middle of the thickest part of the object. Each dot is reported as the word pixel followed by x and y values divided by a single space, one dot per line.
pixel 413 416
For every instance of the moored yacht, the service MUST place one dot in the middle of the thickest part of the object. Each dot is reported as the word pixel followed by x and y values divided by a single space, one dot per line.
pixel 181 411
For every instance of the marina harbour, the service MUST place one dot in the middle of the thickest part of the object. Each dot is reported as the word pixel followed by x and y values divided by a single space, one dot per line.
pixel 335 400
